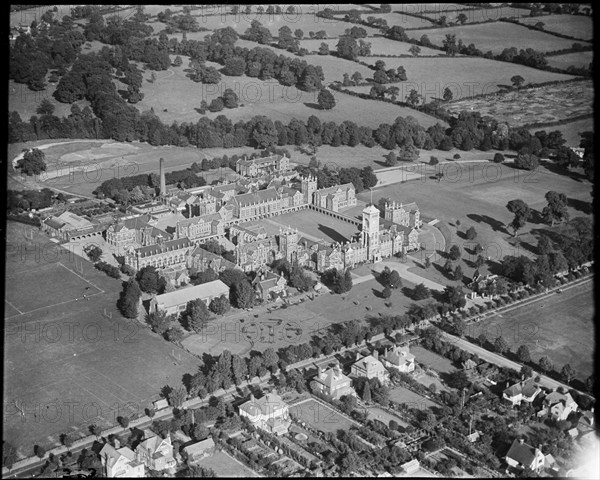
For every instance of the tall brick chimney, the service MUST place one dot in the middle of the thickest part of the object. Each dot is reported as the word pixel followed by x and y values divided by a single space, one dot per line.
pixel 163 184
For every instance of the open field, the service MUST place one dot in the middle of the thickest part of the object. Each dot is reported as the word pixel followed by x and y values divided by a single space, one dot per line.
pixel 578 26
pixel 320 416
pixel 242 331
pixel 560 327
pixel 465 76
pixel 379 46
pixel 571 131
pixel 401 19
pixel 477 194
pixel 473 14
pixel 226 466
pixel 577 59
pixel 497 36
pixel 74 358
pixel 544 104
pixel 26 101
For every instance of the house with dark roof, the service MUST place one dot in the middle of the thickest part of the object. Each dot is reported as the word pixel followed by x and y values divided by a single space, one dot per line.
pixel 269 413
pixel 521 456
pixel 268 285
pixel 370 367
pixel 523 391
pixel 197 451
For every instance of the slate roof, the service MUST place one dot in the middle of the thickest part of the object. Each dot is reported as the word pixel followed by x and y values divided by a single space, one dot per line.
pixel 258 161
pixel 333 189
pixel 54 222
pixel 168 246
pixel 262 196
pixel 521 452
pixel 527 389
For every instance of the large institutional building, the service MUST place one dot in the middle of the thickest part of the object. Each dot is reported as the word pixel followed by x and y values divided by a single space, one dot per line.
pixel 263 166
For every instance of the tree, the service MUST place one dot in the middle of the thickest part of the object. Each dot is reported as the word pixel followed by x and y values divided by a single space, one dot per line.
pixel 454 252
pixel 234 66
pixel 177 396
pixel 461 18
pixel 220 305
pixel 395 281
pixel 9 455
pixel 366 394
pixel 391 159
pixel 523 354
pixel 527 161
pixel 556 210
pixel 324 49
pixel 517 81
pixel 158 321
pixel 45 108
pixel 408 153
pixel 230 98
pixel 242 295
pixel 175 334
pixel 522 213
pixel 567 373
pixel 448 95
pixel 413 98
pixel 94 253
pixel 498 158
pixel 545 364
pixel 326 99
pixel 216 105
pixel 481 339
pixel 270 359
pixel 32 162
pixel 433 161
pixel 386 293
pixel 421 292
pixel 471 233
pixel 130 299
pixel 449 44
pixel 458 379
pixel 458 273
pixel 67 440
pixel 197 315
pixel 124 421
pixel 415 50
pixel 39 451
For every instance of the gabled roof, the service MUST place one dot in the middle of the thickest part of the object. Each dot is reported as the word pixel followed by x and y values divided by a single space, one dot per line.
pixel 344 188
pixel 399 356
pixel 258 161
pixel 168 246
pixel 216 288
pixel 265 405
pixel 74 220
pixel 521 452
pixel 331 377
pixel 54 222
pixel 199 447
pixel 556 397
pixel 134 223
pixel 267 195
pixel 526 388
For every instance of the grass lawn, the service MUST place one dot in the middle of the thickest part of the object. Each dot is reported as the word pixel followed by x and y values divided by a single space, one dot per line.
pixel 68 355
pixel 465 76
pixel 578 26
pixel 577 59
pixel 497 36
pixel 559 327
pixel 571 131
pixel 477 195
pixel 432 360
pixel 401 394
pixel 376 413
pixel 225 465
pixel 320 416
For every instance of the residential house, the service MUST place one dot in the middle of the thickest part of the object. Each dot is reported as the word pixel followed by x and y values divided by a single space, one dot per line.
pixel 399 358
pixel 522 456
pixel 160 404
pixel 199 450
pixel 155 452
pixel 268 284
pixel 269 413
pixel 120 463
pixel 558 405
pixel 525 391
pixel 175 302
pixel 333 383
pixel 369 366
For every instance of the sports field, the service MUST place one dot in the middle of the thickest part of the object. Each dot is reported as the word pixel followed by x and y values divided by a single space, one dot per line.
pixel 497 36
pixel 560 327
pixel 81 367
pixel 578 26
pixel 320 416
pixel 464 76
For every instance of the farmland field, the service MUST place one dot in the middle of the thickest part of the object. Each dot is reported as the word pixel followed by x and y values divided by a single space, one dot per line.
pixel 320 416
pixel 571 131
pixel 560 327
pixel 578 26
pixel 473 14
pixel 269 98
pixel 497 36
pixel 536 105
pixel 577 59
pixel 379 46
pixel 68 351
pixel 465 76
